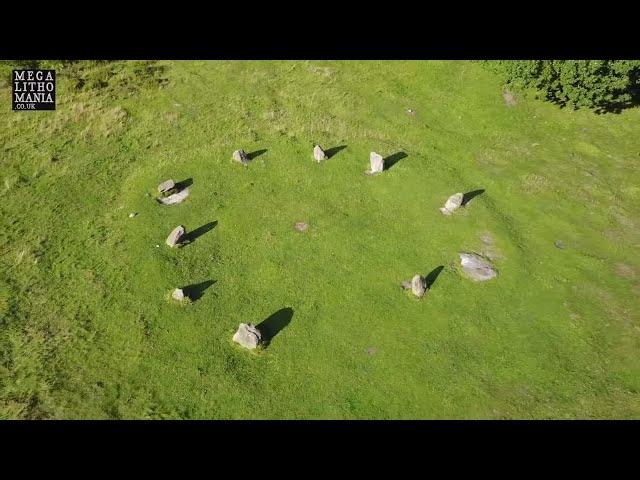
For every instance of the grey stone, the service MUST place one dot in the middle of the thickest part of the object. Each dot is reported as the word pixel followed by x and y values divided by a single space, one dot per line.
pixel 301 226
pixel 319 154
pixel 377 163
pixel 560 244
pixel 167 186
pixel 175 198
pixel 241 156
pixel 418 286
pixel 178 294
pixel 452 204
pixel 248 336
pixel 133 214
pixel 477 267
pixel 175 236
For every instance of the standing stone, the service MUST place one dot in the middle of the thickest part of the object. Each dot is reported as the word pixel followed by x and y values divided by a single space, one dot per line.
pixel 178 294
pixel 418 286
pixel 319 154
pixel 377 163
pixel 175 236
pixel 166 187
pixel 247 335
pixel 477 267
pixel 452 204
pixel 241 156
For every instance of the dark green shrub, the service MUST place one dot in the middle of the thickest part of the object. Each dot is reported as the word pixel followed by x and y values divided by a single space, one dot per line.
pixel 605 85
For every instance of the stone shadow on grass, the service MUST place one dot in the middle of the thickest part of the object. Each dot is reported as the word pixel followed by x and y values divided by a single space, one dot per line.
pixel 391 160
pixel 256 154
pixel 196 290
pixel 430 279
pixel 333 150
pixel 270 327
pixel 192 236
pixel 184 184
pixel 467 197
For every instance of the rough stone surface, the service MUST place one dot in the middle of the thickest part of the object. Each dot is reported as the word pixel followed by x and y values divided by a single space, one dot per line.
pixel 247 335
pixel 241 156
pixel 175 236
pixel 175 198
pixel 452 204
pixel 377 163
pixel 418 286
pixel 178 294
pixel 301 226
pixel 167 186
pixel 476 267
pixel 319 154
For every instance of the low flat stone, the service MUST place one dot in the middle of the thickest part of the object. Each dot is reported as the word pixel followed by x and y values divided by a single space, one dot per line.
pixel 319 154
pixel 178 294
pixel 560 244
pixel 241 156
pixel 418 286
pixel 452 203
pixel 248 336
pixel 175 197
pixel 301 226
pixel 175 236
pixel 476 267
pixel 166 186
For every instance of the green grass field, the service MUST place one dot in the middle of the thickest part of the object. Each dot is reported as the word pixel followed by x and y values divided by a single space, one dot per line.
pixel 87 330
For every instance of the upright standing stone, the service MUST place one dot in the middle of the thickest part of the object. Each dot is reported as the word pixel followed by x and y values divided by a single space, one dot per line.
pixel 247 335
pixel 476 267
pixel 377 163
pixel 241 156
pixel 452 204
pixel 175 236
pixel 319 154
pixel 167 186
pixel 418 286
pixel 178 294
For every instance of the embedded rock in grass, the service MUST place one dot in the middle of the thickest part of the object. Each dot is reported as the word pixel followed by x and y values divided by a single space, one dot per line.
pixel 175 198
pixel 377 163
pixel 167 187
pixel 418 286
pixel 509 98
pixel 175 236
pixel 452 204
pixel 559 244
pixel 301 226
pixel 241 156
pixel 476 267
pixel 319 154
pixel 247 335
pixel 133 214
pixel 178 294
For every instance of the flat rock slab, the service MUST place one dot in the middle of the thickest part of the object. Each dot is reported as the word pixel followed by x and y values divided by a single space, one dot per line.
pixel 175 236
pixel 301 226
pixel 476 267
pixel 452 203
pixel 166 186
pixel 319 154
pixel 241 156
pixel 248 336
pixel 175 198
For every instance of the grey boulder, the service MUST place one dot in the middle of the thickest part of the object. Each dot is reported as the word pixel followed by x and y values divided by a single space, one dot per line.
pixel 175 236
pixel 248 336
pixel 418 286
pixel 476 267
pixel 178 294
pixel 452 203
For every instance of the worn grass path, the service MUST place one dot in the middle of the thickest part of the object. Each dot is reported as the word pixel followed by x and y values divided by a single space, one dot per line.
pixel 86 328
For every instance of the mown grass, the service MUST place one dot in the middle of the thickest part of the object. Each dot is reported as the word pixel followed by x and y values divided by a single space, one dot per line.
pixel 87 330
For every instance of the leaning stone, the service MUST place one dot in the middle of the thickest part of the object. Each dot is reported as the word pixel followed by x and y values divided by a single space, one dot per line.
pixel 247 335
pixel 166 187
pixel 175 236
pixel 319 154
pixel 377 163
pixel 241 156
pixel 452 204
pixel 476 267
pixel 175 198
pixel 418 286
pixel 178 294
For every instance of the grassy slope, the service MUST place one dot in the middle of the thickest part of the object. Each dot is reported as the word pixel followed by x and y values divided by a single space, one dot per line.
pixel 87 332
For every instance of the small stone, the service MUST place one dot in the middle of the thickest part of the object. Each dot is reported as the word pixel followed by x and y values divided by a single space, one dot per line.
pixel 133 214
pixel 377 163
pixel 175 198
pixel 476 267
pixel 371 351
pixel 157 246
pixel 452 204
pixel 247 335
pixel 166 186
pixel 411 111
pixel 241 156
pixel 560 244
pixel 319 154
pixel 178 294
pixel 418 286
pixel 175 236
pixel 301 226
